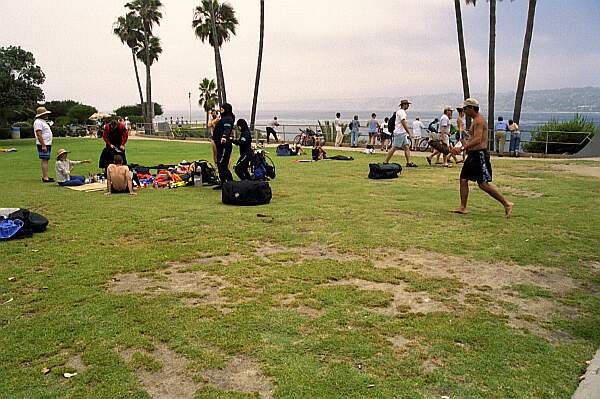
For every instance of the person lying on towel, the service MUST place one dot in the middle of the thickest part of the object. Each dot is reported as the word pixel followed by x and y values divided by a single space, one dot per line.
pixel 119 178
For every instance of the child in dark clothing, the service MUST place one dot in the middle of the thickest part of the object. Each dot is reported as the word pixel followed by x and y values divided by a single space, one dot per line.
pixel 242 167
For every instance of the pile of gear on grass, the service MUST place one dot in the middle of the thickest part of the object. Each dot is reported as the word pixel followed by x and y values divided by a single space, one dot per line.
pixel 20 223
pixel 202 173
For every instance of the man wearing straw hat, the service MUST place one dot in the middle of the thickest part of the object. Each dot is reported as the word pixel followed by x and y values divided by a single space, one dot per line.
pixel 43 140
pixel 400 137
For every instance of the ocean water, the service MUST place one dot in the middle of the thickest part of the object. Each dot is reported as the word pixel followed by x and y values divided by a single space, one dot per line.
pixel 293 120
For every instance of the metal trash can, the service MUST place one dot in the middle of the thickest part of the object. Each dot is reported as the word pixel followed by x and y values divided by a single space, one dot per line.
pixel 15 133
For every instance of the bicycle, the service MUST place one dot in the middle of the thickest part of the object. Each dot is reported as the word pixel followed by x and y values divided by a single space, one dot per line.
pixel 308 138
pixel 422 144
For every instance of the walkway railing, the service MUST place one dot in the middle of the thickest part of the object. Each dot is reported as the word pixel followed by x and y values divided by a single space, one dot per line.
pixel 289 132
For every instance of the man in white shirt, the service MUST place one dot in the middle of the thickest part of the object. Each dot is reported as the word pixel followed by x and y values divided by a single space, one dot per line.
pixel 272 129
pixel 339 126
pixel 43 140
pixel 400 138
pixel 417 129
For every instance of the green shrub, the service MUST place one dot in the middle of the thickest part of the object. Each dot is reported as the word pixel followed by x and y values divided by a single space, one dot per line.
pixel 136 119
pixel 4 133
pixel 560 136
pixel 62 121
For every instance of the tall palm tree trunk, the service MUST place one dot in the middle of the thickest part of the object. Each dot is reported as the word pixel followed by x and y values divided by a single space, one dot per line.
pixel 492 70
pixel 149 105
pixel 463 54
pixel 524 61
pixel 139 85
pixel 218 63
pixel 259 66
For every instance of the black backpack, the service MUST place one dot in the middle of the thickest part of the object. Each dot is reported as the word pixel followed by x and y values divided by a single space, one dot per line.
pixel 384 170
pixel 284 150
pixel 262 166
pixel 392 123
pixel 246 193
pixel 208 173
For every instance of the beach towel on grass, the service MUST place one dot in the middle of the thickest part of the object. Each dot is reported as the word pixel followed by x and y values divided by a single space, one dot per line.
pixel 89 188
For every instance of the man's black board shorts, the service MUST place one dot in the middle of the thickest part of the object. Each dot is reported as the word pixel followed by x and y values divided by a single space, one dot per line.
pixel 477 167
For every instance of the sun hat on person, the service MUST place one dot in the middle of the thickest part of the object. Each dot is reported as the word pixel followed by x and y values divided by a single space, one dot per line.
pixel 448 108
pixel 41 111
pixel 61 152
pixel 404 102
pixel 470 102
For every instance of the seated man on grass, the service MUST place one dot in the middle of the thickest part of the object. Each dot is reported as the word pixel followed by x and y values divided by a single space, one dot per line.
pixel 119 178
pixel 63 169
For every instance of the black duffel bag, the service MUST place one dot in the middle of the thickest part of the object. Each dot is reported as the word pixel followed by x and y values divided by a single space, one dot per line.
pixel 32 222
pixel 384 170
pixel 246 193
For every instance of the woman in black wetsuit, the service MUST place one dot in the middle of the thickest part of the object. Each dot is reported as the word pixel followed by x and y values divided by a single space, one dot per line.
pixel 242 167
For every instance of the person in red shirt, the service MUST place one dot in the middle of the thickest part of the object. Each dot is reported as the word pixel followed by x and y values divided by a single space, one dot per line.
pixel 115 136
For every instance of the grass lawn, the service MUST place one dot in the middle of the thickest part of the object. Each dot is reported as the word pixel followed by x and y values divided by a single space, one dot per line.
pixel 342 287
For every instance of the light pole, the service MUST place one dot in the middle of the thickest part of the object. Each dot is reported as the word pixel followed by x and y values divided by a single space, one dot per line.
pixel 190 98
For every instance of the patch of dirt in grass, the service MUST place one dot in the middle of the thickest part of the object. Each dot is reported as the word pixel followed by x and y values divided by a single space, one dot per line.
pixel 290 302
pixel 521 192
pixel 475 273
pixel 491 286
pixel 76 363
pixel 172 381
pixel 224 260
pixel 399 342
pixel 268 251
pixel 207 287
pixel 404 300
pixel 593 265
pixel 128 241
pixel 581 170
pixel 243 375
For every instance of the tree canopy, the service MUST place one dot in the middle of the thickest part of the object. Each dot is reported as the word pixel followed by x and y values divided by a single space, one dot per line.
pixel 20 80
pixel 136 110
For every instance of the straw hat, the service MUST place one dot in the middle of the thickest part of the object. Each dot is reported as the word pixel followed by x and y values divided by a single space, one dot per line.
pixel 40 111
pixel 404 102
pixel 60 152
pixel 448 108
pixel 470 102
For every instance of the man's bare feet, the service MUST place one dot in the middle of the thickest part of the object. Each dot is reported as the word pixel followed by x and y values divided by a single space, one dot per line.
pixel 460 211
pixel 508 209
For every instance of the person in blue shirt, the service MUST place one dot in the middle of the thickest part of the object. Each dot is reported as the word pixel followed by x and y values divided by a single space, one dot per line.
pixel 500 136
pixel 373 126
pixel 242 167
pixel 354 127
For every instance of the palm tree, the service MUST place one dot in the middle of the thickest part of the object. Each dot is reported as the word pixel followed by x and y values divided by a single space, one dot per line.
pixel 492 66
pixel 208 97
pixel 149 13
pixel 215 22
pixel 524 61
pixel 129 30
pixel 461 49
pixel 259 65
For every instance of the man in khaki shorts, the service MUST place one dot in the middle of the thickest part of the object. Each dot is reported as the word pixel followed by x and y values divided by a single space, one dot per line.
pixel 477 166
pixel 400 138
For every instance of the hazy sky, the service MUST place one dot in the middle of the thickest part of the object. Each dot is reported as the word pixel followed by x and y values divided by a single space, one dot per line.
pixel 313 48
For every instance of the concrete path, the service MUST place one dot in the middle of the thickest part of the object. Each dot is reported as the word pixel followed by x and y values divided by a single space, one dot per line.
pixel 590 386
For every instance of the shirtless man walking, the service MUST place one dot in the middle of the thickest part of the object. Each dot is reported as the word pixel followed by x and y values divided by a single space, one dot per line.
pixel 477 166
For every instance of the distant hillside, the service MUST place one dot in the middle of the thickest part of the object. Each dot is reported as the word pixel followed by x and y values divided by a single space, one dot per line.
pixel 584 99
